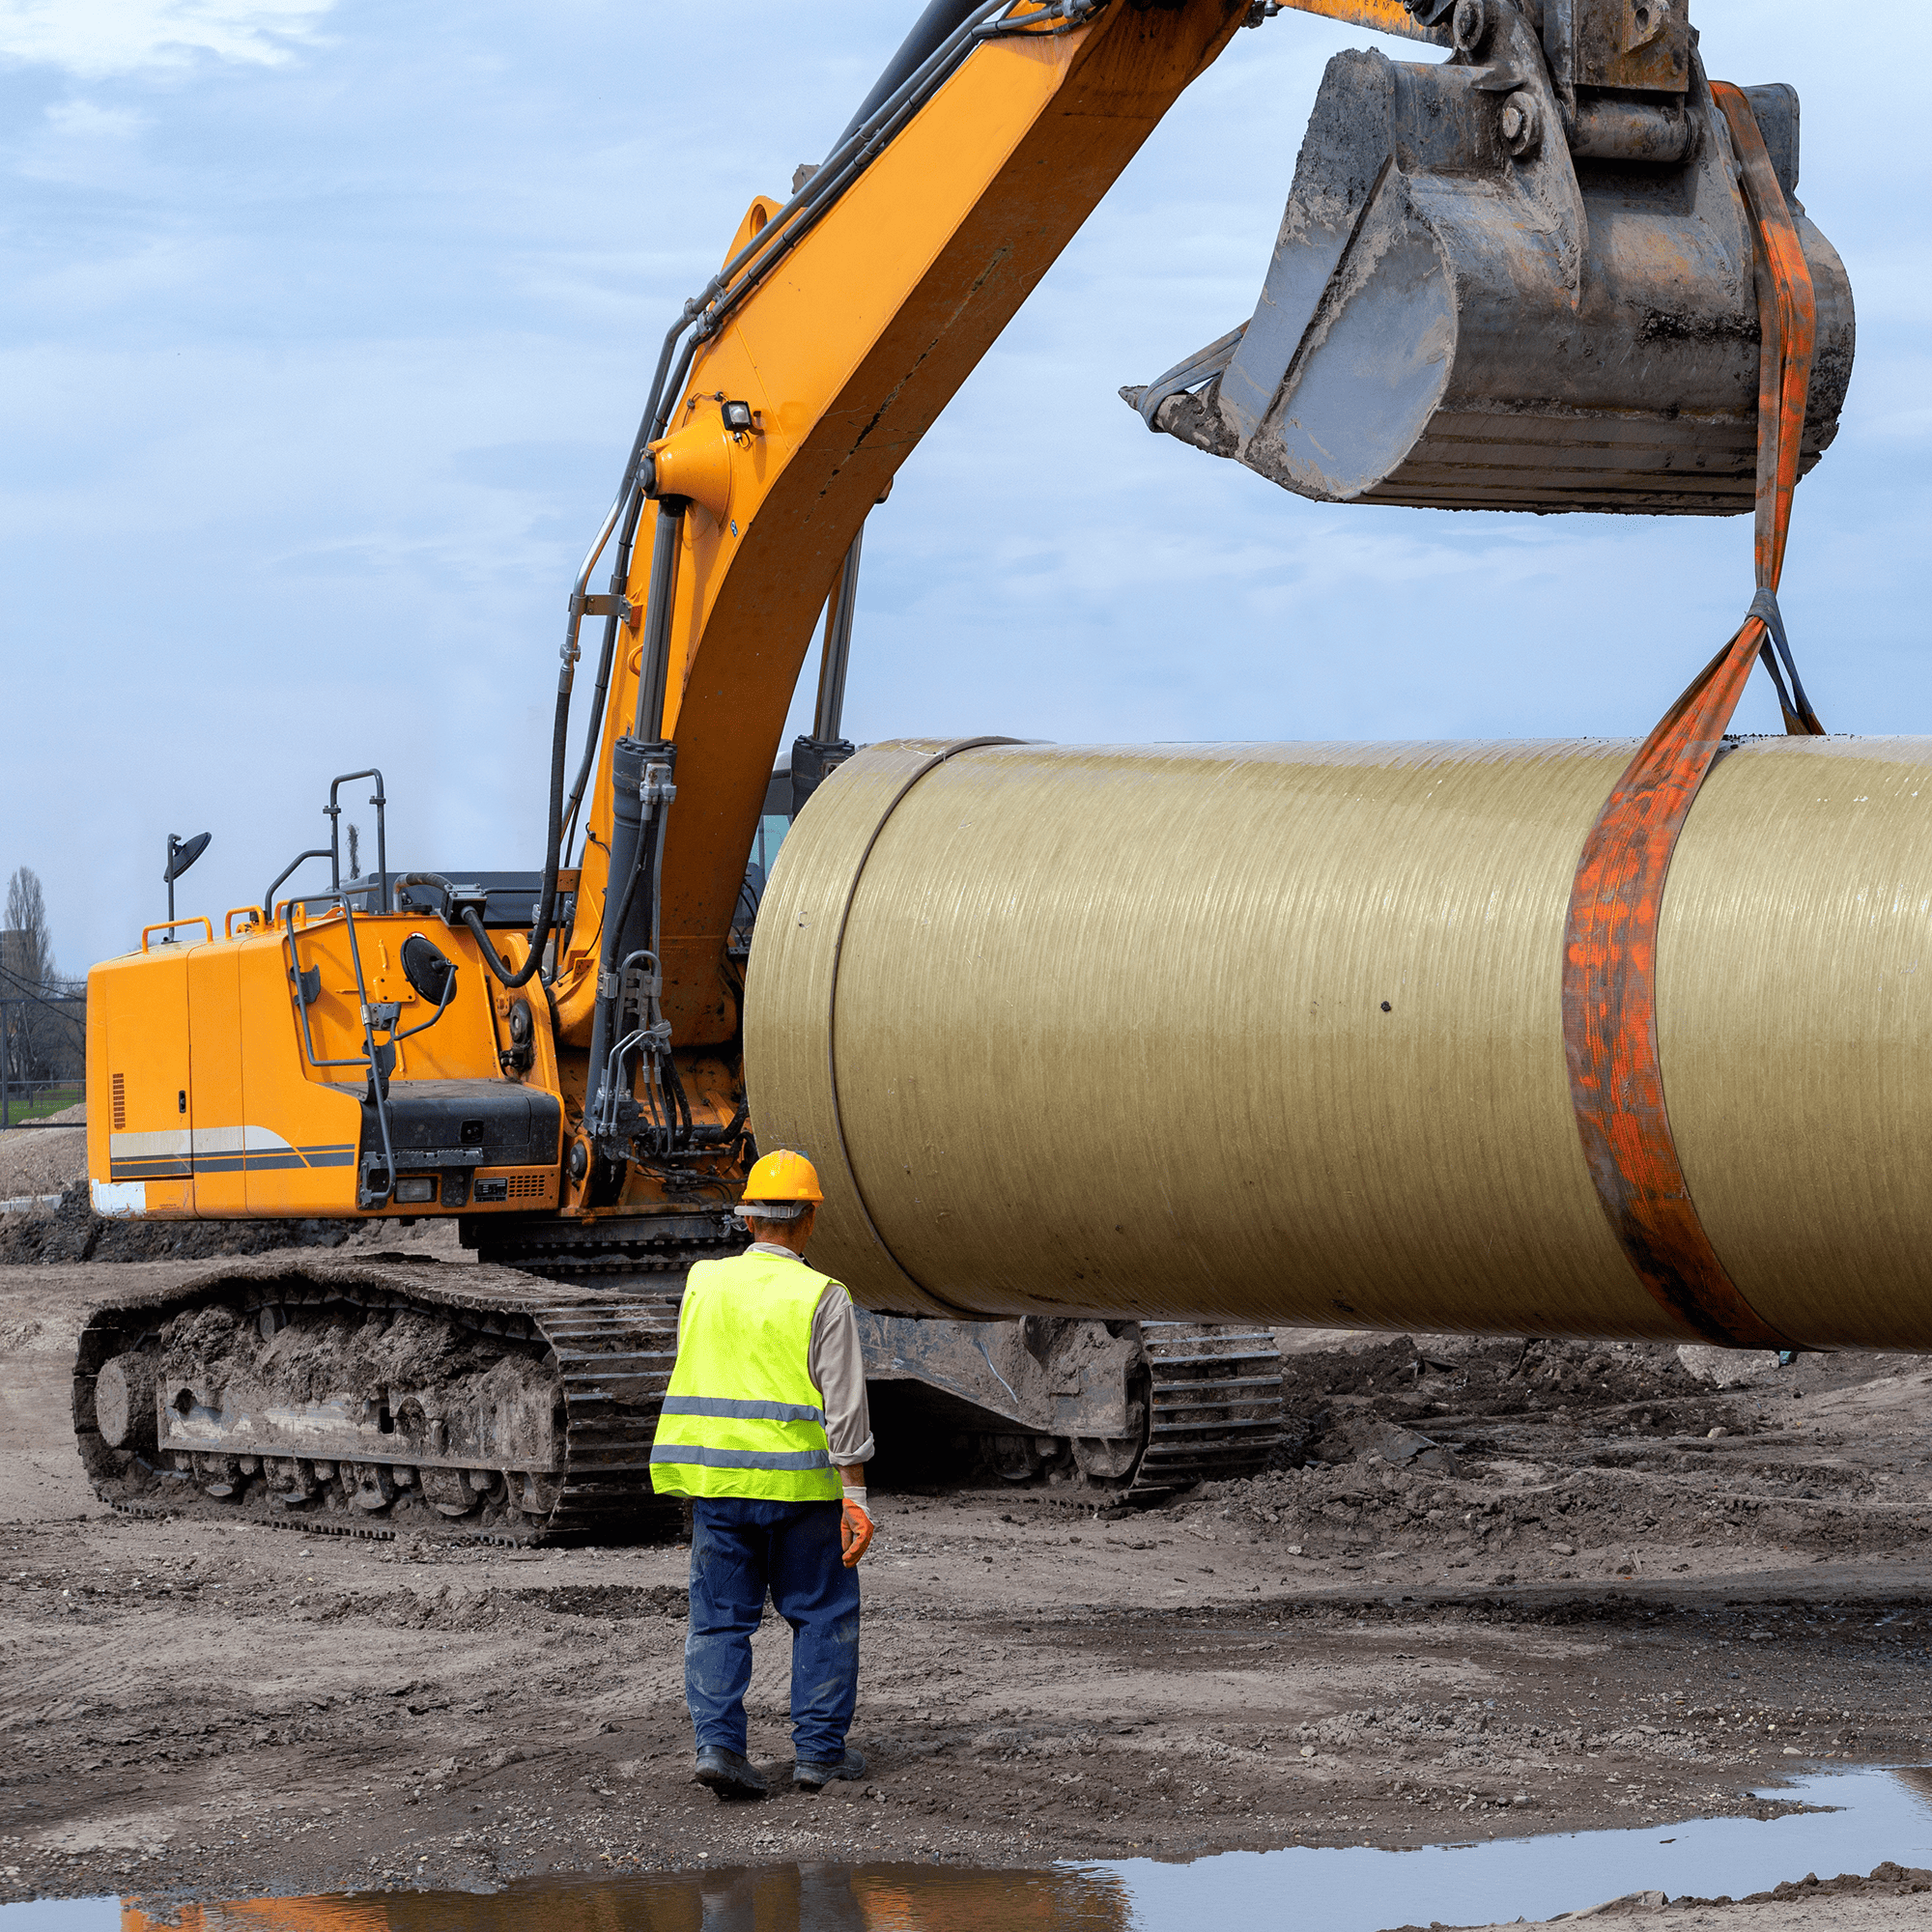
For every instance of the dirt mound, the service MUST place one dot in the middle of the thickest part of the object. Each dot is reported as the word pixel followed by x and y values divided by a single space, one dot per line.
pixel 1887 1880
pixel 38 1161
pixel 1395 1399
pixel 75 1233
pixel 67 1117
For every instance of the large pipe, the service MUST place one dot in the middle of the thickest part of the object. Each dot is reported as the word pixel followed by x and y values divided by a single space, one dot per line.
pixel 1274 1032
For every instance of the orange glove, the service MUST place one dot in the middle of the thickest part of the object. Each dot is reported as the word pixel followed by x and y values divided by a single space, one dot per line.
pixel 855 1531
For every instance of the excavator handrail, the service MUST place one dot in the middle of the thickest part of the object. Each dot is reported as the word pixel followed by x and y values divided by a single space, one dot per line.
pixel 370 1058
pixel 283 876
pixel 200 919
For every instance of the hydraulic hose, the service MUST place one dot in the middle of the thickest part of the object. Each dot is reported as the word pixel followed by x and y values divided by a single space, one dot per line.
pixel 560 746
pixel 605 657
pixel 946 34
pixel 469 919
pixel 941 19
pixel 640 864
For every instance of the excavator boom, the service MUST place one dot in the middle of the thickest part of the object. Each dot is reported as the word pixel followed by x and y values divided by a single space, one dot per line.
pixel 896 285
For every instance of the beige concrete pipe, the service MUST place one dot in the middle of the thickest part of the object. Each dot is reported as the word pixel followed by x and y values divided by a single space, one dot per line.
pixel 1274 1032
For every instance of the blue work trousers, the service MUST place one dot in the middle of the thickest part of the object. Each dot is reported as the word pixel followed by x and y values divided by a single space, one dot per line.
pixel 740 1548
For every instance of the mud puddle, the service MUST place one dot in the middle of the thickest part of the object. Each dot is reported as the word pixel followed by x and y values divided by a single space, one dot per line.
pixel 1876 1816
pixel 1864 1819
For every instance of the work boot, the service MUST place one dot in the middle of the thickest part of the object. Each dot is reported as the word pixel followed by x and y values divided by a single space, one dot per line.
pixel 727 1773
pixel 806 1776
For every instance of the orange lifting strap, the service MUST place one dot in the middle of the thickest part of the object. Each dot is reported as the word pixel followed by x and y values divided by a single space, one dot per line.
pixel 1610 954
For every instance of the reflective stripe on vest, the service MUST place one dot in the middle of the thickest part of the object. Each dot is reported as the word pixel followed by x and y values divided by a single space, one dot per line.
pixel 741 1416
pixel 741 1459
pixel 753 1412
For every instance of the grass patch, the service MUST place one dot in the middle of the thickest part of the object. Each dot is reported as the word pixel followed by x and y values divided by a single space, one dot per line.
pixel 43 1101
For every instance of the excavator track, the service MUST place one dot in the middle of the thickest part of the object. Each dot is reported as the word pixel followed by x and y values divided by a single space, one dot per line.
pixel 564 1250
pixel 1215 1410
pixel 1201 1400
pixel 459 1402
pixel 379 1416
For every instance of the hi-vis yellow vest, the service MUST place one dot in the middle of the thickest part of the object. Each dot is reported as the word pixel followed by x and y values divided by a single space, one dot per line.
pixel 743 1416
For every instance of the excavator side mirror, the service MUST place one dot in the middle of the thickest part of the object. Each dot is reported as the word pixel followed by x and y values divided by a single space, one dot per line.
pixel 426 969
pixel 182 853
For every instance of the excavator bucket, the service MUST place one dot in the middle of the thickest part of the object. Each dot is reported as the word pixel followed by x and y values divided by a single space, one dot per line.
pixel 1522 279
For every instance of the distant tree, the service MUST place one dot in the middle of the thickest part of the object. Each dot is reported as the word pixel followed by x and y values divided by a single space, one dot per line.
pixel 354 851
pixel 43 1037
pixel 29 946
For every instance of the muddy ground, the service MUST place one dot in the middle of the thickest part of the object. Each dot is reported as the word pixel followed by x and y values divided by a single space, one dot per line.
pixel 1886 1899
pixel 1589 1589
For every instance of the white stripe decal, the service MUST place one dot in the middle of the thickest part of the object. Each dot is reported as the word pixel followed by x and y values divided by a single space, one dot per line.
pixel 248 1139
pixel 115 1198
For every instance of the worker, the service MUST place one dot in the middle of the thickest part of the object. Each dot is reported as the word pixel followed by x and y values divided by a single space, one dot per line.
pixel 766 1430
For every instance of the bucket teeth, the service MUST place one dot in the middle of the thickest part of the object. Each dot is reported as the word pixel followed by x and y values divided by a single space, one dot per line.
pixel 1447 324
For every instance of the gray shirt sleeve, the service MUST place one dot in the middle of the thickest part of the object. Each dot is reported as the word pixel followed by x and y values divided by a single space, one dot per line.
pixel 837 1364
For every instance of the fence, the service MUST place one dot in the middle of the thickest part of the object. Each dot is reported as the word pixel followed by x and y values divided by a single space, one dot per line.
pixel 42 1051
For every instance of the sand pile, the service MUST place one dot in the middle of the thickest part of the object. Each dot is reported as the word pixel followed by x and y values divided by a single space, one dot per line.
pixel 43 1160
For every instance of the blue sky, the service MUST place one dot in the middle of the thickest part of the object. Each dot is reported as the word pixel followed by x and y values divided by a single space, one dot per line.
pixel 324 330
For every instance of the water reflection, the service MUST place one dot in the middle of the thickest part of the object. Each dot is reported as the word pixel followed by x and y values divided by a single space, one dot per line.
pixel 1866 1817
pixel 771 1898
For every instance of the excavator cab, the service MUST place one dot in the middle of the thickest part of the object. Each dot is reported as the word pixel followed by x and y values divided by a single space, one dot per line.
pixel 794 779
pixel 774 822
pixel 1519 279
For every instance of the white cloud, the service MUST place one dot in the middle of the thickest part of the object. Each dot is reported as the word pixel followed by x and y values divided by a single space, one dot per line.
pixel 93 37
pixel 83 121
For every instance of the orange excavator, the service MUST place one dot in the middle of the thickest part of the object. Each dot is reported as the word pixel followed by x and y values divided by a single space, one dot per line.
pixel 1523 273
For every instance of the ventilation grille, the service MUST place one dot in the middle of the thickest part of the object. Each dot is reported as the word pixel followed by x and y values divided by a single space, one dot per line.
pixel 527 1186
pixel 120 1101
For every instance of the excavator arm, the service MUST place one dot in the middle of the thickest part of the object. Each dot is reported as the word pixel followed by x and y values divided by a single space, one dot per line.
pixel 887 301
pixel 845 352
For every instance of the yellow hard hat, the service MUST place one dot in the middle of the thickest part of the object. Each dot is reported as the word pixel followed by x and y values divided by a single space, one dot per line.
pixel 782 1175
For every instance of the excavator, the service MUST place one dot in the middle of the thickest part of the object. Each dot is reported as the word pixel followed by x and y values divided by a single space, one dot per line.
pixel 1536 267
